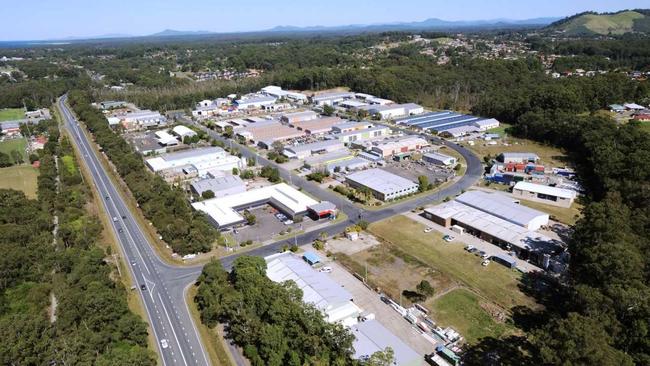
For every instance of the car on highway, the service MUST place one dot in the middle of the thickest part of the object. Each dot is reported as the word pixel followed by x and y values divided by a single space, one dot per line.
pixel 163 343
pixel 124 216
pixel 428 230
pixel 326 269
pixel 143 287
pixel 114 218
pixel 120 230
pixel 447 238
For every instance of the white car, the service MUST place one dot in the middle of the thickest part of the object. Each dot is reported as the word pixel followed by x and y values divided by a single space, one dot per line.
pixel 485 263
pixel 448 238
pixel 469 247
pixel 326 269
pixel 163 343
pixel 428 230
pixel 288 222
pixel 114 218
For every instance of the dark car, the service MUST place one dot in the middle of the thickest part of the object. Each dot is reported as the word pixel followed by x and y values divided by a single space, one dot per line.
pixel 143 287
pixel 124 216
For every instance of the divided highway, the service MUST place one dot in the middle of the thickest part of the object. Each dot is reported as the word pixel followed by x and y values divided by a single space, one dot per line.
pixel 161 286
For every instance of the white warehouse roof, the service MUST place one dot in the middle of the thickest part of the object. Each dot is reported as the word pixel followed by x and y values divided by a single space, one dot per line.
pixel 183 131
pixel 505 208
pixel 550 191
pixel 223 210
pixel 381 181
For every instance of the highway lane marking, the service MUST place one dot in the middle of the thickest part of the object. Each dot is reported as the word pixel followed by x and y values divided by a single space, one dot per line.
pixel 69 118
pixel 172 328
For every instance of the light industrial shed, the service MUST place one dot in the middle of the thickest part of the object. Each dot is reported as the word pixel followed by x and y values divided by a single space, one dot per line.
pixel 504 207
pixel 305 150
pixel 385 186
pixel 220 186
pixel 223 211
pixel 550 195
pixel 439 159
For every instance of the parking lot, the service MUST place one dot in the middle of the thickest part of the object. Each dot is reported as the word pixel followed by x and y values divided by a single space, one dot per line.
pixel 268 226
pixel 413 169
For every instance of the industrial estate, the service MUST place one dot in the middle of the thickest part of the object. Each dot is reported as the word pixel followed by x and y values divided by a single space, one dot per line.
pixel 399 197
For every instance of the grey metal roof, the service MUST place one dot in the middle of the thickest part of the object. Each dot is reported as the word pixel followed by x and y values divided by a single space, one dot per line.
pixel 218 184
pixel 191 153
pixel 500 206
pixel 371 336
pixel 381 181
pixel 315 146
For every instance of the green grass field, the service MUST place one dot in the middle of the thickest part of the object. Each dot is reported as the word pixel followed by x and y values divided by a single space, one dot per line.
pixel 14 144
pixel 461 309
pixel 11 114
pixel 620 23
pixel 20 177
pixel 494 283
pixel 501 130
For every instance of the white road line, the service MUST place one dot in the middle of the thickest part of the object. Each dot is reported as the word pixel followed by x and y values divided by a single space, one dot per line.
pixel 172 328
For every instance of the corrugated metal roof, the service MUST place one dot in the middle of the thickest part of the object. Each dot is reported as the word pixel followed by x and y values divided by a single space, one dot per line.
pixel 500 206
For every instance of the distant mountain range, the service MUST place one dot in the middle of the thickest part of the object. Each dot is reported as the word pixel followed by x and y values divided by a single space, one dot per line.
pixel 431 23
pixel 590 23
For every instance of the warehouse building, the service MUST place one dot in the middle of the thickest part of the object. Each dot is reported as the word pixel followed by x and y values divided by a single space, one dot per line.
pixel 389 111
pixel 258 101
pixel 352 104
pixel 351 126
pixel 112 104
pixel 223 211
pixel 326 160
pixel 540 193
pixel 318 126
pixel 504 207
pixel 279 93
pixel 370 337
pixel 385 186
pixel 486 124
pixel 183 131
pixel 323 99
pixel 142 119
pixel 305 150
pixel 318 289
pixel 164 138
pixel 294 117
pixel 445 121
pixel 397 145
pixel 439 159
pixel 266 133
pixel 364 134
pixel 221 186
pixel 146 143
pixel 202 159
pixel 518 157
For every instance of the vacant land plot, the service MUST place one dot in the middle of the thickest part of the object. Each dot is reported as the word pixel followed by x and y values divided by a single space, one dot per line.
pixel 19 145
pixel 463 310
pixel 501 130
pixel 549 155
pixel 11 114
pixel 564 215
pixel 495 283
pixel 21 178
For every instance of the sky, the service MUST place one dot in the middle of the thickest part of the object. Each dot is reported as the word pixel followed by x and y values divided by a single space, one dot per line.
pixel 48 19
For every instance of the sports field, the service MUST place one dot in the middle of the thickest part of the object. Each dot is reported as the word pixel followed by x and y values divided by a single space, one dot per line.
pixel 20 177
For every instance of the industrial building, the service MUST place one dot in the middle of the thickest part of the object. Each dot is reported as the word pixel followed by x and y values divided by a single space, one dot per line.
pixel 164 138
pixel 331 98
pixel 279 93
pixel 352 104
pixel 202 159
pixel 112 104
pixel 504 207
pixel 397 145
pixel 319 125
pixel 146 143
pixel 305 150
pixel 10 128
pixel 540 193
pixel 518 157
pixel 183 131
pixel 446 121
pixel 351 126
pixel 337 306
pixel 298 116
pixel 385 186
pixel 439 159
pixel 341 159
pixel 388 111
pixel 266 133
pixel 318 289
pixel 256 101
pixel 142 119
pixel 222 211
pixel 221 186
pixel 370 337
pixel 363 134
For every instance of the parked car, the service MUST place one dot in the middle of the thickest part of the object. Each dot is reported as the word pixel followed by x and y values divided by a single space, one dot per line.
pixel 448 238
pixel 326 269
pixel 473 250
pixel 469 247
pixel 485 263
pixel 428 230
pixel 480 253
pixel 288 222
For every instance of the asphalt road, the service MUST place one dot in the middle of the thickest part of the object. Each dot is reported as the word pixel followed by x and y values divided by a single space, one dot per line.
pixel 165 285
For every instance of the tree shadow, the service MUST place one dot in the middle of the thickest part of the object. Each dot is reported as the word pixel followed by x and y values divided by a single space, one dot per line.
pixel 489 351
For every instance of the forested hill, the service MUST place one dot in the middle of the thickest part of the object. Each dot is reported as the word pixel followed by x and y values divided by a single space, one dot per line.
pixel 590 23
